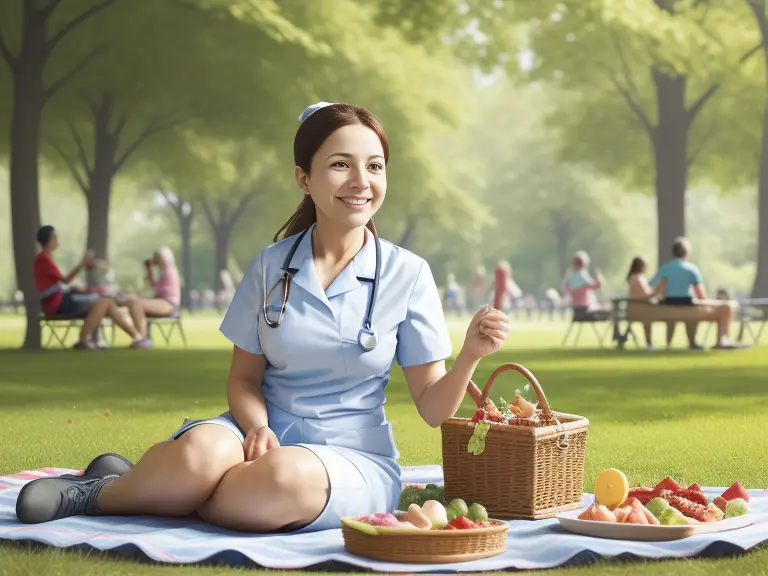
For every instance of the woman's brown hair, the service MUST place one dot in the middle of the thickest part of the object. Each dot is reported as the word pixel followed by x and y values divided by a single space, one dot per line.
pixel 309 138
pixel 636 267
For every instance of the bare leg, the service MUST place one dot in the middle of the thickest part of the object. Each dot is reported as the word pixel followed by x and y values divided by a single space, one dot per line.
pixel 690 329
pixel 725 315
pixel 670 332
pixel 287 486
pixel 96 314
pixel 140 307
pixel 173 478
pixel 119 319
pixel 648 328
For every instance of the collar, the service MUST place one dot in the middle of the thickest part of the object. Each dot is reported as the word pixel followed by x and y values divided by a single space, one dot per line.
pixel 362 266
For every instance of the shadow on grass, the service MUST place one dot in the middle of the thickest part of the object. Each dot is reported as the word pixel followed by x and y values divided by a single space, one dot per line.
pixel 574 382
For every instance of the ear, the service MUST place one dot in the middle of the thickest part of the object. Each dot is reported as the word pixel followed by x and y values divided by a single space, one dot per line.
pixel 302 179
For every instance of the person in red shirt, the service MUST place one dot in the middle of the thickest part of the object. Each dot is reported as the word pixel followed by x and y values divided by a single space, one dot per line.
pixel 58 299
pixel 52 286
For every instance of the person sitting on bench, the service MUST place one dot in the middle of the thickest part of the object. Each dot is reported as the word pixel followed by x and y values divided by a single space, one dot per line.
pixel 682 284
pixel 167 286
pixel 639 289
pixel 57 298
pixel 580 286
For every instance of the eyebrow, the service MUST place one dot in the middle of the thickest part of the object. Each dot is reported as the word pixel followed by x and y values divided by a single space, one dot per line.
pixel 348 155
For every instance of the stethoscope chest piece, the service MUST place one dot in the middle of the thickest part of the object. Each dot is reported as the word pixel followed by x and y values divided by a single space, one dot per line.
pixel 367 339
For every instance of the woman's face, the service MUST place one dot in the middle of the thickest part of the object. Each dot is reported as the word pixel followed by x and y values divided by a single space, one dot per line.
pixel 348 181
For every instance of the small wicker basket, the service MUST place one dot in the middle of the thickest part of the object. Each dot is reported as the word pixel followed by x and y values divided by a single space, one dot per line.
pixel 428 546
pixel 532 469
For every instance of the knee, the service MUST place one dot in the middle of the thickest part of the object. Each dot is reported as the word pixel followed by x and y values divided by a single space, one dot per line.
pixel 210 451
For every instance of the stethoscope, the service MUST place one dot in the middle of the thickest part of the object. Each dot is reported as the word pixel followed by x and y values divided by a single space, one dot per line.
pixel 366 338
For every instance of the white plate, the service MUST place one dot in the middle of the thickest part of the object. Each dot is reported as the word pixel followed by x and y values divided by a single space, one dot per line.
pixel 646 532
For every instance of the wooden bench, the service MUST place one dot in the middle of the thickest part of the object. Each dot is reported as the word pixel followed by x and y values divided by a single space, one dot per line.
pixel 632 311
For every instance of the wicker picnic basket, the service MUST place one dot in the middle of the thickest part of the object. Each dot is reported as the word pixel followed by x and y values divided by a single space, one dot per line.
pixel 428 546
pixel 531 469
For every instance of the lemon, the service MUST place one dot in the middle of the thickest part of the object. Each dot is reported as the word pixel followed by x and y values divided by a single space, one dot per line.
pixel 611 487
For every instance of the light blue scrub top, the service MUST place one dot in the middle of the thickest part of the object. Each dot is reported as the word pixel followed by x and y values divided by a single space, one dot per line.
pixel 681 276
pixel 319 385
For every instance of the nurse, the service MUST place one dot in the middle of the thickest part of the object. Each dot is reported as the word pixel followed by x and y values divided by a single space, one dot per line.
pixel 316 324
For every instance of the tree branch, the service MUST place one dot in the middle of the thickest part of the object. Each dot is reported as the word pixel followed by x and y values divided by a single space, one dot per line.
pixel 76 21
pixel 72 168
pixel 712 90
pixel 6 53
pixel 83 155
pixel 148 132
pixel 74 71
pixel 624 65
pixel 241 206
pixel 176 206
pixel 50 8
pixel 702 144
pixel 635 107
pixel 209 215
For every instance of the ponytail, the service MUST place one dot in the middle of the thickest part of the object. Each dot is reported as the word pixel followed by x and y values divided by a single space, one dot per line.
pixel 303 218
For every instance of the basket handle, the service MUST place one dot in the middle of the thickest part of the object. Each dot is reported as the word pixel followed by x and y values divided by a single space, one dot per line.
pixel 543 404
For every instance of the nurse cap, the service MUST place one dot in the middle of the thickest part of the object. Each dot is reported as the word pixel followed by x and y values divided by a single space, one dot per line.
pixel 309 110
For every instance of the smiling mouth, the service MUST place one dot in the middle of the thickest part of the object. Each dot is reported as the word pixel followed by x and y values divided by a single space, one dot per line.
pixel 355 201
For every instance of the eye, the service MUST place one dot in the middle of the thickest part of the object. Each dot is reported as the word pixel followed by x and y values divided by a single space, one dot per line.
pixel 376 166
pixel 340 164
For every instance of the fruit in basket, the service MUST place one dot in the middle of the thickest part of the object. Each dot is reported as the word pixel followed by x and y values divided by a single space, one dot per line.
pixel 736 507
pixel 417 517
pixel 672 517
pixel 462 523
pixel 477 512
pixel 363 527
pixel 736 491
pixel 436 513
pixel 657 506
pixel 611 487
pixel 459 507
pixel 380 519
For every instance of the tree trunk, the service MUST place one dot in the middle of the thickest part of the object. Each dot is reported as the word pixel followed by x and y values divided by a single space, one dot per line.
pixel 760 286
pixel 670 147
pixel 185 224
pixel 98 211
pixel 222 235
pixel 28 101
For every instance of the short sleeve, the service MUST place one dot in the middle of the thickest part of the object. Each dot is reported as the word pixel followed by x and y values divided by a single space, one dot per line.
pixel 696 277
pixel 241 322
pixel 423 336
pixel 577 281
pixel 656 280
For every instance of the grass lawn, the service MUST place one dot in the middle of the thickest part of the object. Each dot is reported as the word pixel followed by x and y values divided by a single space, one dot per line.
pixel 699 417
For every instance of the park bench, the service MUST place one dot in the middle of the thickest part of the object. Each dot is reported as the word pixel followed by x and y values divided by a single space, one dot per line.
pixel 627 311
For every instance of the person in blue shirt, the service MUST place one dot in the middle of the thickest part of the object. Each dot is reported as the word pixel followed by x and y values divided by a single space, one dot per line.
pixel 681 284
pixel 317 322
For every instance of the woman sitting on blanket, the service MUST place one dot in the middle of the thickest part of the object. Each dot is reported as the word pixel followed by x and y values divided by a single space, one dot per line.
pixel 316 323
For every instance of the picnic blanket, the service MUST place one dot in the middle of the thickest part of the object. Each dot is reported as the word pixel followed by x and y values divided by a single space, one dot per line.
pixel 531 545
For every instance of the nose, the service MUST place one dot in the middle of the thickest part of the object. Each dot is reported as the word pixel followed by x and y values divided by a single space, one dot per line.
pixel 358 179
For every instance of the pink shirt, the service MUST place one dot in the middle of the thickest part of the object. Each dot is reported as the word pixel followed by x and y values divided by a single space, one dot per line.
pixel 579 287
pixel 168 286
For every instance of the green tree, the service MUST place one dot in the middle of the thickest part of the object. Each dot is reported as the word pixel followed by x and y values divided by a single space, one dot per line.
pixel 638 76
pixel 35 30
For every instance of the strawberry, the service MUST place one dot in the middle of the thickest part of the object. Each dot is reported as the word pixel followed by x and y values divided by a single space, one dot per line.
pixel 668 484
pixel 478 416
pixel 450 527
pixel 736 491
pixel 462 523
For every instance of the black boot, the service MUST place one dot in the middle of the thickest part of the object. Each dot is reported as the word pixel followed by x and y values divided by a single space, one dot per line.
pixel 107 465
pixel 49 499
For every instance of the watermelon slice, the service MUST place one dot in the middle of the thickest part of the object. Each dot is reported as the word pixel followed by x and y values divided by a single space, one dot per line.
pixel 736 491
pixel 667 484
pixel 695 487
